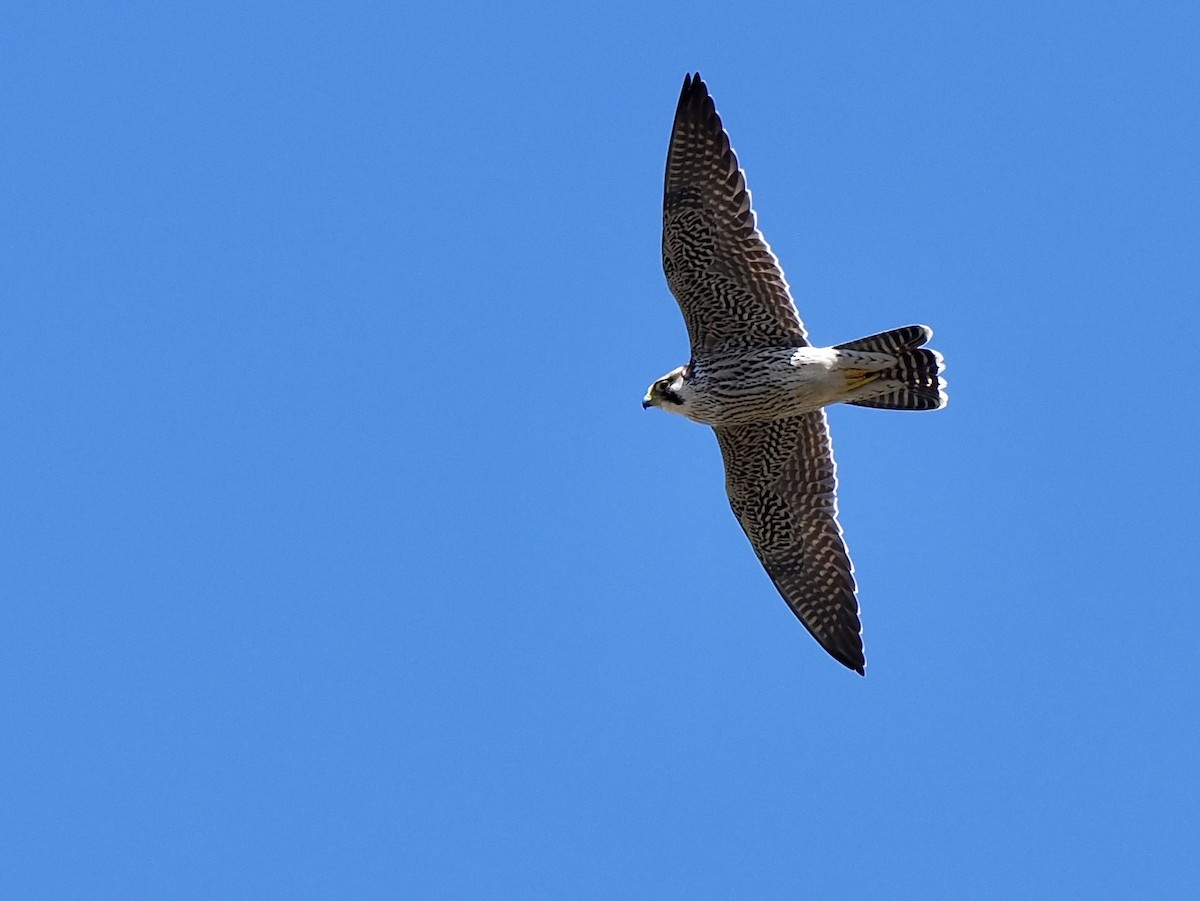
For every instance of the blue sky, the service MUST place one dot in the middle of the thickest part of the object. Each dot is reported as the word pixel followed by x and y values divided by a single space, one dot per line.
pixel 341 561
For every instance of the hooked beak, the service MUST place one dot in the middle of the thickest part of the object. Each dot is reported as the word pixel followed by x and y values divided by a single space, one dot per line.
pixel 647 403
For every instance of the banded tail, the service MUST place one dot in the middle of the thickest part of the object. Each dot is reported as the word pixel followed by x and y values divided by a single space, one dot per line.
pixel 911 380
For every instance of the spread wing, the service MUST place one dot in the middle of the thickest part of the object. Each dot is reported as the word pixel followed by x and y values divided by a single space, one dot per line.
pixel 782 484
pixel 719 267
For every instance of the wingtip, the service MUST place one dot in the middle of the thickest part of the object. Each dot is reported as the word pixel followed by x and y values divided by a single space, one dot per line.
pixel 858 663
pixel 693 87
pixel 852 659
pixel 697 106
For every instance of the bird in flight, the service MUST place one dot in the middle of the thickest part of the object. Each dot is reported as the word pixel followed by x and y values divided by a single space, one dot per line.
pixel 755 378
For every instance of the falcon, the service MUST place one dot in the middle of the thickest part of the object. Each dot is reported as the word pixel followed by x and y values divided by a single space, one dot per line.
pixel 755 378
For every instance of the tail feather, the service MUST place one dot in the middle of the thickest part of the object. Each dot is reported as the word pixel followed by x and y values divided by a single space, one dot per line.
pixel 907 337
pixel 912 380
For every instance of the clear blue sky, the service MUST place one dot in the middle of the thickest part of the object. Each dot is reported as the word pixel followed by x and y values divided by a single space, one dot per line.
pixel 341 561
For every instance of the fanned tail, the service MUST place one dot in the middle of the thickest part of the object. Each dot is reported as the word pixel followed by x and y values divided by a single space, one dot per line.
pixel 911 380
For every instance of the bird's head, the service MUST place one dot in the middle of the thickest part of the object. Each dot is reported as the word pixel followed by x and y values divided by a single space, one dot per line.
pixel 666 392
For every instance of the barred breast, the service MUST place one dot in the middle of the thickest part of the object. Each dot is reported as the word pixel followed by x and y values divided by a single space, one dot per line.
pixel 762 385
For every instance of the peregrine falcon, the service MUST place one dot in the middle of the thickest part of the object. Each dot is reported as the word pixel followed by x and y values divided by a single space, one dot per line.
pixel 755 378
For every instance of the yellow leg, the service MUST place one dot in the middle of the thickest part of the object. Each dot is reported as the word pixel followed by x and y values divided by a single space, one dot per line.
pixel 856 378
